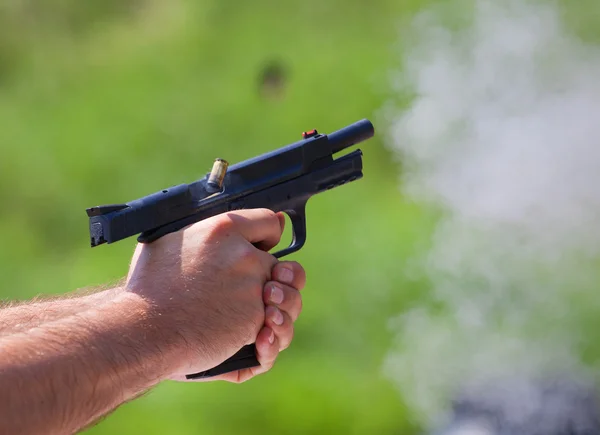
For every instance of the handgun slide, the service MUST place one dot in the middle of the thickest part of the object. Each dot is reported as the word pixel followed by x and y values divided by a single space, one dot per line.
pixel 281 180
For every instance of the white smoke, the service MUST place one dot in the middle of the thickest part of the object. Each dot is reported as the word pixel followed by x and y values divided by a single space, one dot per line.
pixel 502 138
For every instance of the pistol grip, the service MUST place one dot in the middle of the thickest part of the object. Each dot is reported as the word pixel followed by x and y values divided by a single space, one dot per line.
pixel 243 359
pixel 246 356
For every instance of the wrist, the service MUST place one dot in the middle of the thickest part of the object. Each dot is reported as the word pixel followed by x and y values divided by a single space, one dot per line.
pixel 178 331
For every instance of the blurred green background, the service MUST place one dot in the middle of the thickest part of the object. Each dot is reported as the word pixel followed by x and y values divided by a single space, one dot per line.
pixel 104 102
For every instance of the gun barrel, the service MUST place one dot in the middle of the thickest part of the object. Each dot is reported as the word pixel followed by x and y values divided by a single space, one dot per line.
pixel 351 135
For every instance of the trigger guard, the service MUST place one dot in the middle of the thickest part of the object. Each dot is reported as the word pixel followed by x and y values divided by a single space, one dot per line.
pixel 298 219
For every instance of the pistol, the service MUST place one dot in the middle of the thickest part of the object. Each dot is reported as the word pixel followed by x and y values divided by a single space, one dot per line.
pixel 282 180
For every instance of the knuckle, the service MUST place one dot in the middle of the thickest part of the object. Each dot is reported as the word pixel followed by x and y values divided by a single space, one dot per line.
pixel 292 297
pixel 267 257
pixel 238 379
pixel 272 217
pixel 300 274
pixel 299 303
pixel 299 268
pixel 286 339
pixel 266 261
pixel 270 214
pixel 266 366
pixel 266 361
pixel 221 227
pixel 249 256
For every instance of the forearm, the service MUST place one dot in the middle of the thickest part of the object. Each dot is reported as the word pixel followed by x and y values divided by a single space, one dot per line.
pixel 63 375
pixel 31 314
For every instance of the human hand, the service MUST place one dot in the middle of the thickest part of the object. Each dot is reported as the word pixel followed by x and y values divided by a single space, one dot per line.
pixel 205 286
pixel 283 304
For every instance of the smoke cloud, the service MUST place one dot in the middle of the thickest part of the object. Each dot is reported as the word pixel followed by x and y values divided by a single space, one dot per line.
pixel 502 139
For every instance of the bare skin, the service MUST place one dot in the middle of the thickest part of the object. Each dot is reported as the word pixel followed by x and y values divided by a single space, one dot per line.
pixel 24 316
pixel 190 301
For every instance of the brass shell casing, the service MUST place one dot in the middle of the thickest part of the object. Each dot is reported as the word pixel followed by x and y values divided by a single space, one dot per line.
pixel 217 174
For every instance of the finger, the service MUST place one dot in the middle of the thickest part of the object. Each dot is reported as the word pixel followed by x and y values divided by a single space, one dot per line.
pixel 267 245
pixel 281 217
pixel 268 262
pixel 267 350
pixel 281 323
pixel 284 297
pixel 257 225
pixel 291 273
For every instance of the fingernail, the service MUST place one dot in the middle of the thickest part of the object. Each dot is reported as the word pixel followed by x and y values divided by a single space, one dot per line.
pixel 276 294
pixel 285 274
pixel 277 317
pixel 271 337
